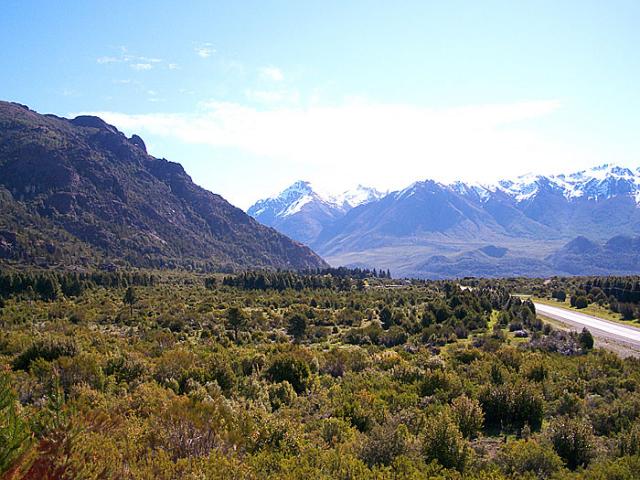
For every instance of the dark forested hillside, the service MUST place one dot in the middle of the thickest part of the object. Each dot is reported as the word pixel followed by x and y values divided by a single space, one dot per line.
pixel 80 192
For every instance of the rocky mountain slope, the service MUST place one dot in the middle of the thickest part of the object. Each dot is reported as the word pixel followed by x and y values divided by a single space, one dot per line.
pixel 79 192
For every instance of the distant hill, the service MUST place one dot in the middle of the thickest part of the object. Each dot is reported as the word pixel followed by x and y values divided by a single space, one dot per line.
pixel 620 255
pixel 79 192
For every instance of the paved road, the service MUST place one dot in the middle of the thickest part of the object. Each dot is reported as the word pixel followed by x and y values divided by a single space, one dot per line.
pixel 597 326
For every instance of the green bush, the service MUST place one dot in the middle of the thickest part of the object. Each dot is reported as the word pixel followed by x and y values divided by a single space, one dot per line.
pixel 335 431
pixel 48 348
pixel 520 457
pixel 127 368
pixel 624 468
pixel 84 369
pixel 512 406
pixel 384 443
pixel 281 394
pixel 468 415
pixel 629 442
pixel 221 371
pixel 290 368
pixel 444 443
pixel 394 336
pixel 297 326
pixel 585 339
pixel 581 302
pixel 436 381
pixel 573 441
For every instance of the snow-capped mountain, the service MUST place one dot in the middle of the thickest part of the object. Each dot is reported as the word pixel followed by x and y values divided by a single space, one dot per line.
pixel 598 183
pixel 302 213
pixel 528 218
pixel 286 203
pixel 292 200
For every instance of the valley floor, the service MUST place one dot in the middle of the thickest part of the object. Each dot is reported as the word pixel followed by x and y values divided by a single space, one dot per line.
pixel 281 376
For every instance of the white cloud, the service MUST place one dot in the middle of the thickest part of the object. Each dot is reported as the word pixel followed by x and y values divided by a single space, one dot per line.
pixel 384 145
pixel 271 73
pixel 205 50
pixel 103 60
pixel 173 66
pixel 141 66
pixel 136 62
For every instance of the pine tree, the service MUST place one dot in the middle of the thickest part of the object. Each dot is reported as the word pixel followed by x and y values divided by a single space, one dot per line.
pixel 297 327
pixel 237 320
pixel 130 298
pixel 586 339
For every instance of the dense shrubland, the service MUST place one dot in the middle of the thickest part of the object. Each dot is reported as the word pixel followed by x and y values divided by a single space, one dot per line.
pixel 187 377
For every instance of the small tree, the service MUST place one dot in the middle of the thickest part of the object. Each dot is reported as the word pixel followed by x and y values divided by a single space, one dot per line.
pixel 281 394
pixel 237 320
pixel 130 298
pixel 221 371
pixel 48 288
pixel 586 339
pixel 627 311
pixel 386 317
pixel 297 327
pixel 581 302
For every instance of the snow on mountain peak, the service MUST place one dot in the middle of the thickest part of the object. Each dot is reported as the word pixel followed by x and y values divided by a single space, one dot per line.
pixel 301 187
pixel 292 199
pixel 355 197
pixel 597 183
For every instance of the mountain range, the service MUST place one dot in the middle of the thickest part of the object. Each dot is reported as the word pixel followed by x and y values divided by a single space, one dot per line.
pixel 432 229
pixel 79 192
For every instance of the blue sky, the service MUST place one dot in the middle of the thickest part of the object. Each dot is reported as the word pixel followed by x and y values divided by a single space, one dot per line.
pixel 251 96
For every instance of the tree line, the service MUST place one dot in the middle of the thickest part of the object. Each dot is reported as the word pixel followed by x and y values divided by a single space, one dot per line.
pixel 331 278
pixel 47 285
